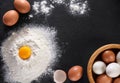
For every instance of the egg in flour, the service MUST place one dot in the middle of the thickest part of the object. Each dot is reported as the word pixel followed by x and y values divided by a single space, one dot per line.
pixel 28 53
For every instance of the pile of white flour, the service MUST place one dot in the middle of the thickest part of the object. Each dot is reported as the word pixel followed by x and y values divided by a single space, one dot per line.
pixel 42 41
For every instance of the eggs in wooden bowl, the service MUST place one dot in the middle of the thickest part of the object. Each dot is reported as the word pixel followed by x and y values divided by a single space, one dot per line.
pixel 104 65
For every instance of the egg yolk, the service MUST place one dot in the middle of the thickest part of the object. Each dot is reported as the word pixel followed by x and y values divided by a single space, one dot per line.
pixel 25 52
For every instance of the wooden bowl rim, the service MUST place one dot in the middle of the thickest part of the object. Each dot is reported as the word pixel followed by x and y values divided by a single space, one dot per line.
pixel 93 57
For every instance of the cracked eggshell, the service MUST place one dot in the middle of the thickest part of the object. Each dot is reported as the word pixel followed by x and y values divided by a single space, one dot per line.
pixel 59 76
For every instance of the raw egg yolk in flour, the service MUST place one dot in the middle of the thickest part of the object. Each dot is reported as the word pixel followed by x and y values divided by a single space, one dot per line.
pixel 24 52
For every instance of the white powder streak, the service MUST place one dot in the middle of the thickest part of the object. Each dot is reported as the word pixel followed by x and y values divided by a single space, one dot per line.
pixel 78 7
pixel 41 39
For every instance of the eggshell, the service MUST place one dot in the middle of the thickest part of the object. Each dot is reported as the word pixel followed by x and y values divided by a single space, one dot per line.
pixel 23 6
pixel 113 70
pixel 103 79
pixel 75 73
pixel 117 80
pixel 10 18
pixel 108 56
pixel 99 67
pixel 59 76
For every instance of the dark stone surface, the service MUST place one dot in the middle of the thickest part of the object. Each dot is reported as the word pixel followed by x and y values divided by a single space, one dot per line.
pixel 78 36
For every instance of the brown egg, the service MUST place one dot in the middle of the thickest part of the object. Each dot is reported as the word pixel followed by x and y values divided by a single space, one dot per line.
pixel 75 73
pixel 108 56
pixel 117 80
pixel 10 18
pixel 103 79
pixel 23 6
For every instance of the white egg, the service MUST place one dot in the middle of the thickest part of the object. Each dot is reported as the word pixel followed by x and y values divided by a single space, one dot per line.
pixel 113 70
pixel 99 67
pixel 41 40
pixel 118 57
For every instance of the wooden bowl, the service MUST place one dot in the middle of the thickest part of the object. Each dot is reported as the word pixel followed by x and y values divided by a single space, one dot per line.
pixel 95 55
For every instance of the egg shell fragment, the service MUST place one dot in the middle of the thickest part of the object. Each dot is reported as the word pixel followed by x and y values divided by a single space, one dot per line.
pixel 59 76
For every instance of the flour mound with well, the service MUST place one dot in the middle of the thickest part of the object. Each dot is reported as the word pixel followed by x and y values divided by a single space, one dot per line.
pixel 42 41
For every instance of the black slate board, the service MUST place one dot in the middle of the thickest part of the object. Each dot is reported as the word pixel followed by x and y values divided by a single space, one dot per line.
pixel 78 36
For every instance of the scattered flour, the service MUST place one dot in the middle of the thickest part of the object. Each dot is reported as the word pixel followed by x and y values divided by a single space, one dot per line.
pixel 30 16
pixel 36 7
pixel 41 40
pixel 58 1
pixel 42 7
pixel 75 7
pixel 78 7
